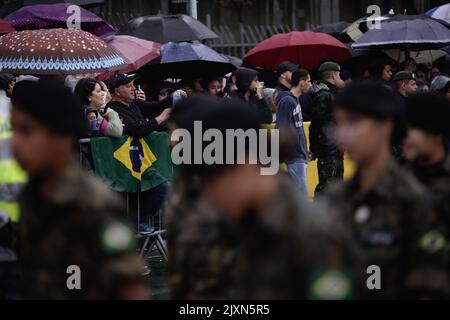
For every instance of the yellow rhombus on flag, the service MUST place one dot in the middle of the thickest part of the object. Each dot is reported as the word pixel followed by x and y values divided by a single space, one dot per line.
pixel 123 155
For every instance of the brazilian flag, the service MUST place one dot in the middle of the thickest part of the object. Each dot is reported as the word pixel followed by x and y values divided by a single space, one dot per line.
pixel 133 165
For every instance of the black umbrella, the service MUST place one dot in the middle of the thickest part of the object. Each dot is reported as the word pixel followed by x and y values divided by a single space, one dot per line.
pixel 181 60
pixel 406 32
pixel 332 28
pixel 168 28
pixel 83 3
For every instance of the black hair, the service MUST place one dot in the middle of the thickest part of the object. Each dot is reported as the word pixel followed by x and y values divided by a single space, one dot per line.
pixel 52 104
pixel 436 116
pixel 299 75
pixel 84 88
pixel 376 68
pixel 205 82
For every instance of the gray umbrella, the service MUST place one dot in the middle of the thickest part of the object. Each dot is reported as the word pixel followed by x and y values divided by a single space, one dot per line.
pixel 415 32
pixel 168 28
pixel 332 28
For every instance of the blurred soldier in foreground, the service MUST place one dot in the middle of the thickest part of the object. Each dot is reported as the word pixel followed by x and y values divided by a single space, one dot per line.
pixel 373 213
pixel 426 147
pixel 232 232
pixel 70 223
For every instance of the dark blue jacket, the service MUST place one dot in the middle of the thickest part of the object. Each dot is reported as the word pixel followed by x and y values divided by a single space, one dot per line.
pixel 289 117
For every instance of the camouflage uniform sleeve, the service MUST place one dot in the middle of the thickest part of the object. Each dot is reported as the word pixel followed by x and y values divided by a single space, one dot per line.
pixel 327 277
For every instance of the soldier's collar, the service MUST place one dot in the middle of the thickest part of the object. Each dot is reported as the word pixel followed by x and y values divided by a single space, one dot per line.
pixel 68 186
pixel 382 187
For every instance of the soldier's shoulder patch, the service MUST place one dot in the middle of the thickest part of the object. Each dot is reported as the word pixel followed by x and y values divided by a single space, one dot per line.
pixel 116 236
pixel 330 285
pixel 433 241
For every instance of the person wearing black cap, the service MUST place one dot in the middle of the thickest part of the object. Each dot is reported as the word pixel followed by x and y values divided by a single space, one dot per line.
pixel 284 74
pixel 290 122
pixel 426 147
pixel 323 147
pixel 60 226
pixel 372 213
pixel 251 93
pixel 140 118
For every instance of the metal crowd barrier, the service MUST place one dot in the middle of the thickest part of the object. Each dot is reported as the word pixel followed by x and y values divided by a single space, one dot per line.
pixel 152 241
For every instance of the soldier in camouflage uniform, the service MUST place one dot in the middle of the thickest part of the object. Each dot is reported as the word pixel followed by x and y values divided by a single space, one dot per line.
pixel 330 162
pixel 426 147
pixel 68 218
pixel 371 217
pixel 232 233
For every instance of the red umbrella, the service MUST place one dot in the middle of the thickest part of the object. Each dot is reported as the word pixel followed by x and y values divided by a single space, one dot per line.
pixel 134 51
pixel 5 27
pixel 306 48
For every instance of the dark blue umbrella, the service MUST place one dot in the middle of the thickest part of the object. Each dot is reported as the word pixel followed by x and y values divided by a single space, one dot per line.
pixel 189 60
pixel 167 28
pixel 415 32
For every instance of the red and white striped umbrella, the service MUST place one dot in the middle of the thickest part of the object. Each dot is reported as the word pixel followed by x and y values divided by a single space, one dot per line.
pixel 56 52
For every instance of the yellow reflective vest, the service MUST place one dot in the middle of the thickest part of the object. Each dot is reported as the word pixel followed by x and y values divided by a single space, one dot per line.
pixel 12 178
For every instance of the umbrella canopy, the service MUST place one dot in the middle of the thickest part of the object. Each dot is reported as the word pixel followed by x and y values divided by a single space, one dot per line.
pixel 424 56
pixel 134 51
pixel 55 16
pixel 5 27
pixel 84 3
pixel 235 61
pixel 168 28
pixel 189 60
pixel 355 30
pixel 309 49
pixel 441 12
pixel 56 51
pixel 333 29
pixel 415 32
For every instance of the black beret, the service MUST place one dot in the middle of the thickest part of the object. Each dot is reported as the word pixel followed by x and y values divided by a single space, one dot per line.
pixel 404 75
pixel 52 104
pixel 370 98
pixel 429 112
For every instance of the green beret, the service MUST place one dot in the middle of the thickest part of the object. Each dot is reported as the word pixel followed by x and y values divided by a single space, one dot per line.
pixel 404 75
pixel 329 66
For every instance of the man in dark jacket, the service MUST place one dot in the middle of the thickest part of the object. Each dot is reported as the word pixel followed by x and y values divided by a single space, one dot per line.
pixel 330 165
pixel 140 118
pixel 290 122
pixel 251 92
